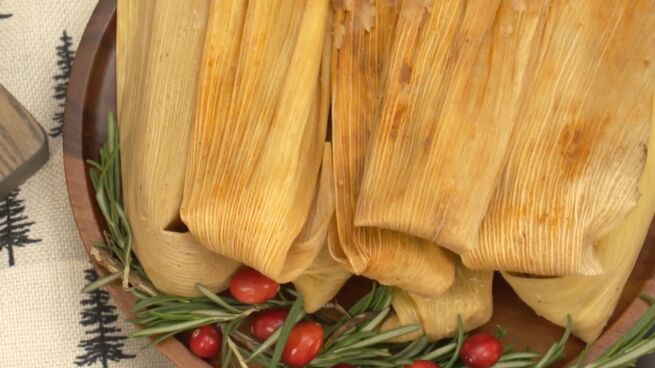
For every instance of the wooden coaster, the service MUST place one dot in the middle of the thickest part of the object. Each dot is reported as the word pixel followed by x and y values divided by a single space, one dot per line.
pixel 23 144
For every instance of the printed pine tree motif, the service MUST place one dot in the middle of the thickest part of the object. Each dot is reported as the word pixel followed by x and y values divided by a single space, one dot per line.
pixel 105 341
pixel 14 226
pixel 65 57
pixel 4 15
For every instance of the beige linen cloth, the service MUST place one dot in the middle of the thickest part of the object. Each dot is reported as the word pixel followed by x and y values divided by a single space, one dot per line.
pixel 44 320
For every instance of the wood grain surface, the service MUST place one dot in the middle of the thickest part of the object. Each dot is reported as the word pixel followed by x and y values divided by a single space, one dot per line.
pixel 23 143
pixel 92 94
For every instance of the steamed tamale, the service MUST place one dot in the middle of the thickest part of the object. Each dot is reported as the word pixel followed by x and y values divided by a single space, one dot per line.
pixel 323 279
pixel 313 238
pixel 259 132
pixel 456 81
pixel 579 147
pixel 590 300
pixel 470 298
pixel 158 57
pixel 321 282
pixel 365 30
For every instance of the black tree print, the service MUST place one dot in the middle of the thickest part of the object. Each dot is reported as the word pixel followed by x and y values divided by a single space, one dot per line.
pixel 4 15
pixel 14 226
pixel 65 57
pixel 104 342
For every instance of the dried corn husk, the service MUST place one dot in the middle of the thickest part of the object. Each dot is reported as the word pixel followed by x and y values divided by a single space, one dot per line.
pixel 259 130
pixel 365 29
pixel 455 83
pixel 578 151
pixel 324 277
pixel 158 58
pixel 470 298
pixel 322 281
pixel 313 237
pixel 590 300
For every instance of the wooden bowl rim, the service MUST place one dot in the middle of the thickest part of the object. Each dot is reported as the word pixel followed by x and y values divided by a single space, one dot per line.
pixel 88 218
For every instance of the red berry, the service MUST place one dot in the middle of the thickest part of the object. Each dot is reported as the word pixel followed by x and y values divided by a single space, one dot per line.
pixel 205 342
pixel 304 343
pixel 481 350
pixel 422 364
pixel 267 322
pixel 251 287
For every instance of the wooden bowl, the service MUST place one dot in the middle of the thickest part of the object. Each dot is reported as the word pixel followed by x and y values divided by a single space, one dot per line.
pixel 92 94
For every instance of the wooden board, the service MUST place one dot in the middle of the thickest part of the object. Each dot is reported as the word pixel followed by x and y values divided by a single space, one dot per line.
pixel 23 143
pixel 92 94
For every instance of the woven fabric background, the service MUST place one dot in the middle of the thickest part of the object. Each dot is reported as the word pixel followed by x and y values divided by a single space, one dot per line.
pixel 44 320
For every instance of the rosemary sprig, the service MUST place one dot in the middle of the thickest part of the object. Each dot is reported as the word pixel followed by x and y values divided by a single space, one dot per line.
pixel 172 315
pixel 354 338
pixel 105 175
pixel 638 341
pixel 285 329
pixel 556 351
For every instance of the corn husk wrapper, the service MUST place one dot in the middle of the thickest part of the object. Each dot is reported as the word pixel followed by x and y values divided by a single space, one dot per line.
pixel 455 82
pixel 324 278
pixel 578 151
pixel 158 57
pixel 364 31
pixel 470 298
pixel 259 134
pixel 590 300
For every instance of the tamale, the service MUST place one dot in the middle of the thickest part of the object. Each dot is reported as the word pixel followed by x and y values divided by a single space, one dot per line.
pixel 365 30
pixel 456 79
pixel 577 154
pixel 470 298
pixel 158 57
pixel 323 279
pixel 312 239
pixel 590 300
pixel 259 133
